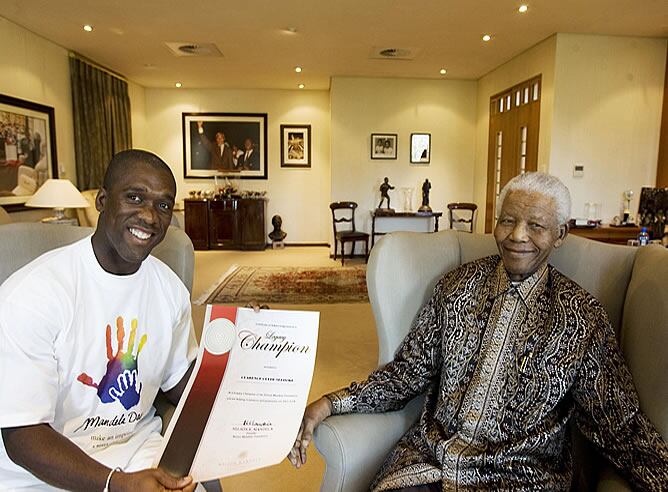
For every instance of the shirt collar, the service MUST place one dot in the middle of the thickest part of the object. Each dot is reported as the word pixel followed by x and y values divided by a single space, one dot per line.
pixel 528 289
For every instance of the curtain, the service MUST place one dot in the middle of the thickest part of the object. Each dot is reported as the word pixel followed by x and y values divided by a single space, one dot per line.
pixel 102 126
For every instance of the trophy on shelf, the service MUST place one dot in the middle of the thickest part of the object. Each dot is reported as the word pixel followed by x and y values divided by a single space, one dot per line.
pixel 626 218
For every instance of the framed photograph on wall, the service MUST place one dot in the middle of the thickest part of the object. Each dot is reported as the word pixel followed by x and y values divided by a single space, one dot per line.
pixel 225 144
pixel 295 145
pixel 420 148
pixel 383 145
pixel 27 150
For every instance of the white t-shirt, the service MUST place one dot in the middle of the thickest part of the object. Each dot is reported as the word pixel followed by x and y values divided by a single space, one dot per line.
pixel 86 352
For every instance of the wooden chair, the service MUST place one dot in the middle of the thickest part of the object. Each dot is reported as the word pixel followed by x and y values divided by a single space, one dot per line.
pixel 469 207
pixel 339 215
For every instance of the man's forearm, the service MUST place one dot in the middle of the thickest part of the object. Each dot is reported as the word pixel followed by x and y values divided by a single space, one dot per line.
pixel 53 458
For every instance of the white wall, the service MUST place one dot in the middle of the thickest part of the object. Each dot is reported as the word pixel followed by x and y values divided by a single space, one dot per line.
pixel 607 116
pixel 300 196
pixel 37 70
pixel 444 108
pixel 537 60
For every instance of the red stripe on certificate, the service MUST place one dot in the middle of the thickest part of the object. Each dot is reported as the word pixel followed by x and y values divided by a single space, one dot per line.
pixel 182 446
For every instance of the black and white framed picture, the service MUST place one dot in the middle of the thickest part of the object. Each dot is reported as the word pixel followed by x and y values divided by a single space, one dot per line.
pixel 228 144
pixel 27 150
pixel 295 145
pixel 383 145
pixel 420 148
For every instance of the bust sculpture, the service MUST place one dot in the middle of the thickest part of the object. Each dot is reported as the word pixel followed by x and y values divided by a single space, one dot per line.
pixel 277 234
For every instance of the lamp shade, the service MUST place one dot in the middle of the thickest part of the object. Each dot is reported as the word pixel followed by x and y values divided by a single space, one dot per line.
pixel 57 193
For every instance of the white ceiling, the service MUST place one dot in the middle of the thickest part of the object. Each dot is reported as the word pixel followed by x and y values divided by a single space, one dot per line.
pixel 334 37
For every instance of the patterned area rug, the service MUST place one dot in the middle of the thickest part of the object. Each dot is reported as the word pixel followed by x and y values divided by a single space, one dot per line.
pixel 289 285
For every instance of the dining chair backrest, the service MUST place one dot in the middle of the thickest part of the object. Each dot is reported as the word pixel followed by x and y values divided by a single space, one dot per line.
pixel 470 207
pixel 338 218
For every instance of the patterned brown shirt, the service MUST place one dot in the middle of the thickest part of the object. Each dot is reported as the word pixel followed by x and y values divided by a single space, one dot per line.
pixel 505 366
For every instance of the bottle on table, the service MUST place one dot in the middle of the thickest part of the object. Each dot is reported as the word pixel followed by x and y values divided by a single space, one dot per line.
pixel 643 237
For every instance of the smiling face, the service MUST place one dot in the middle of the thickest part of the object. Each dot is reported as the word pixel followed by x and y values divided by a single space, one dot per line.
pixel 135 212
pixel 220 138
pixel 527 231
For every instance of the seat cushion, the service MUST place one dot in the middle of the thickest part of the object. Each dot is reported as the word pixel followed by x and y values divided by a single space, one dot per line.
pixel 349 235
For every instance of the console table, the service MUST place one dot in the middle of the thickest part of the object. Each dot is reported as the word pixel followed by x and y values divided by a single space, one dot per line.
pixel 401 215
pixel 607 234
pixel 228 223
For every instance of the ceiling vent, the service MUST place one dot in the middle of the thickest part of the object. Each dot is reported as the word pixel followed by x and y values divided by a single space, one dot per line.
pixel 193 49
pixel 393 53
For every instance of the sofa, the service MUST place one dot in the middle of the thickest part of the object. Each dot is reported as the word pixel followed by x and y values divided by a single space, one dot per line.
pixel 631 283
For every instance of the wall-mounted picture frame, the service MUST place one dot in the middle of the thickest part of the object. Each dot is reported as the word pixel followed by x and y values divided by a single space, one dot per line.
pixel 27 150
pixel 296 146
pixel 225 144
pixel 384 145
pixel 420 148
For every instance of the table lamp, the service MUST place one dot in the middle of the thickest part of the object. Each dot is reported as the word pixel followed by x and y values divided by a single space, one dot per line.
pixel 58 194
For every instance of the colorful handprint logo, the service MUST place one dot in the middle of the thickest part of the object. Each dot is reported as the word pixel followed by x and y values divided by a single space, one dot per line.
pixel 121 381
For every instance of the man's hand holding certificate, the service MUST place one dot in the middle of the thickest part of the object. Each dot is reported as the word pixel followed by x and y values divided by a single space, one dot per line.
pixel 243 404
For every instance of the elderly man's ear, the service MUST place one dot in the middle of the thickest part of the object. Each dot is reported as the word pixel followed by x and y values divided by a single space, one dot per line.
pixel 563 232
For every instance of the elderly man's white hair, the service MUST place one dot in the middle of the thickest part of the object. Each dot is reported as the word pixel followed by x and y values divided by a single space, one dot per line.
pixel 544 184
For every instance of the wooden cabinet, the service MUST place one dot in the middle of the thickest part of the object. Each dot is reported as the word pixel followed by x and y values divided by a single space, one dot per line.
pixel 234 223
pixel 607 234
pixel 197 223
pixel 223 224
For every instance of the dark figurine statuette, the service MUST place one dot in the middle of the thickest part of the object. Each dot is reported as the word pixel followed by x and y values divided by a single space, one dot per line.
pixel 426 186
pixel 385 187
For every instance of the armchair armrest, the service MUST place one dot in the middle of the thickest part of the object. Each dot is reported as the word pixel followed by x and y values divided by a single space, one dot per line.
pixel 354 446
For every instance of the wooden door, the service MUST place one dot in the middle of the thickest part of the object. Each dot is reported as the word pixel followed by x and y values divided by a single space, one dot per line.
pixel 514 121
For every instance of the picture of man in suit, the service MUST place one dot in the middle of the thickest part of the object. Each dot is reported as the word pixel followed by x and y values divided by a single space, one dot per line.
pixel 250 159
pixel 219 152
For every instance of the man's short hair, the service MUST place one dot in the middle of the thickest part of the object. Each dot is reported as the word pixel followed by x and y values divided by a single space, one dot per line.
pixel 545 184
pixel 120 162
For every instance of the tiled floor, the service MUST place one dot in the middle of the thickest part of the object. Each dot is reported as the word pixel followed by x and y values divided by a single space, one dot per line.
pixel 347 350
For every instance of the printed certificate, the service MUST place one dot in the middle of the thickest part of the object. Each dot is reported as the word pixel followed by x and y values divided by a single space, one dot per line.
pixel 244 402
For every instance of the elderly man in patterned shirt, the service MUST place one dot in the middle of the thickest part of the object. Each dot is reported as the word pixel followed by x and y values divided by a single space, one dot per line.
pixel 508 350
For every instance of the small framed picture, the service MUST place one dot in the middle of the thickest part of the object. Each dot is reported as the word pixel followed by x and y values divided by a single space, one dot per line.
pixel 420 148
pixel 295 145
pixel 383 145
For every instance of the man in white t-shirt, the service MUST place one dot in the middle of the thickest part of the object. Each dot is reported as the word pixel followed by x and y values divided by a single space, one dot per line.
pixel 88 335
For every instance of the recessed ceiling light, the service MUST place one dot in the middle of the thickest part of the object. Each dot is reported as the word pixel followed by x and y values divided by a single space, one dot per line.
pixel 178 85
pixel 291 30
pixel 443 71
pixel 298 69
pixel 522 9
pixel 486 37
pixel 301 86
pixel 88 28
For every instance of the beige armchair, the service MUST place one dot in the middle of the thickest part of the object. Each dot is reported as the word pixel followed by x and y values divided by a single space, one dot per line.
pixel 88 216
pixel 403 269
pixel 5 218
